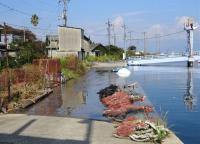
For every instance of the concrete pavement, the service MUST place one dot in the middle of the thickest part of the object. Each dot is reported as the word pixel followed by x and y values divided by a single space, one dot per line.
pixel 28 129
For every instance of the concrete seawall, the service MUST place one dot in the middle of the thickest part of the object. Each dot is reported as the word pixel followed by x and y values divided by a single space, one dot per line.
pixel 110 64
pixel 28 129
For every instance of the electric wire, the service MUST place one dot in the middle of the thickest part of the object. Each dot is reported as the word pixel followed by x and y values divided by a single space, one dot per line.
pixel 14 10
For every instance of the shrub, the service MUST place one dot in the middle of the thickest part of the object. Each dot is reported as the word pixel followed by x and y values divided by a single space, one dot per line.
pixel 72 67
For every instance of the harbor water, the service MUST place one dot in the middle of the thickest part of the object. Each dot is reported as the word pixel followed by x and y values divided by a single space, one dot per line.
pixel 172 90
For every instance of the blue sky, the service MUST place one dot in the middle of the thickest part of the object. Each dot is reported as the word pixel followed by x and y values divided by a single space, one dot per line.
pixel 156 17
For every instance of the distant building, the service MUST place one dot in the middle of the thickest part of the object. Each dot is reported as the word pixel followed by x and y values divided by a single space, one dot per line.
pixel 2 50
pixel 70 41
pixel 132 48
pixel 98 50
pixel 11 52
pixel 52 44
pixel 10 38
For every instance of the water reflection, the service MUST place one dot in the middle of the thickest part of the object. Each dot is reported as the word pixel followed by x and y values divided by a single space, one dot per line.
pixel 47 106
pixel 73 96
pixel 190 100
pixel 63 101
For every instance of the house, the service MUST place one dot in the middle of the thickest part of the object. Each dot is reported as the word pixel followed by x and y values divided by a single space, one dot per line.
pixel 10 39
pixel 52 44
pixel 2 50
pixel 98 49
pixel 69 41
pixel 11 52
pixel 87 44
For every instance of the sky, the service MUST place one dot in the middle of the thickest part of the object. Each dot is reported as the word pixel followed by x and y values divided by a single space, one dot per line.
pixel 155 17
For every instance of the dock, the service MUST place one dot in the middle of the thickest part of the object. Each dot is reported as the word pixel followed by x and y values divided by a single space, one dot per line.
pixel 29 129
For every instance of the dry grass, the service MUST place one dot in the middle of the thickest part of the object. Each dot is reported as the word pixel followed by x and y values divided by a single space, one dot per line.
pixel 34 83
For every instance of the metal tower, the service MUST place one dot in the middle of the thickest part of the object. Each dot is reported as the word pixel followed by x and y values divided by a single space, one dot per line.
pixel 64 14
pixel 189 28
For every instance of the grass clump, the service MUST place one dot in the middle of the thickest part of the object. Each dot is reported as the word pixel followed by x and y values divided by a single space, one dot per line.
pixel 72 67
pixel 104 58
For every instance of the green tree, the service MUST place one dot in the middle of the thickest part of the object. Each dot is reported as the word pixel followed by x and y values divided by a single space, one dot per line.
pixel 115 51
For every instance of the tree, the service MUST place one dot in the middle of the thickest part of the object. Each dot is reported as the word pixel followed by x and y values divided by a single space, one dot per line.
pixel 133 48
pixel 34 20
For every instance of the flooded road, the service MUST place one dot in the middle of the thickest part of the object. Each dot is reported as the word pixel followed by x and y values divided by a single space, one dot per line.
pixel 174 90
pixel 77 98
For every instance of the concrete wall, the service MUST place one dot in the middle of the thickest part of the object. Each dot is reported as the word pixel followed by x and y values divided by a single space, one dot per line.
pixel 86 46
pixel 52 42
pixel 1 54
pixel 60 54
pixel 70 39
pixel 9 38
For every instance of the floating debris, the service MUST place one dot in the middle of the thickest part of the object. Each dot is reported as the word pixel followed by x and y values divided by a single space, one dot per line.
pixel 108 91
pixel 119 103
pixel 140 131
pixel 149 132
pixel 115 69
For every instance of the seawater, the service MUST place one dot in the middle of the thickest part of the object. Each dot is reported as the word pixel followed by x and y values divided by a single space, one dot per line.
pixel 168 88
pixel 174 91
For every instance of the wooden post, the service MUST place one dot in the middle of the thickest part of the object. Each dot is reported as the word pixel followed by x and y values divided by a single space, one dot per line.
pixel 7 61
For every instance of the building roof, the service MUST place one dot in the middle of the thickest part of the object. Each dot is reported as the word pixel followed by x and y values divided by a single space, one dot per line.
pixel 52 37
pixel 71 27
pixel 87 38
pixel 94 45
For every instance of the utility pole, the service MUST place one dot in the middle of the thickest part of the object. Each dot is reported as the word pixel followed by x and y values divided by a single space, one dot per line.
pixel 125 28
pixel 7 61
pixel 24 34
pixel 189 28
pixel 144 33
pixel 158 42
pixel 114 36
pixel 130 36
pixel 64 15
pixel 109 33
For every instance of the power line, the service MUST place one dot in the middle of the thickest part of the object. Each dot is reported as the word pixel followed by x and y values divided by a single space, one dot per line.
pixel 114 36
pixel 109 31
pixel 15 10
pixel 154 37
pixel 147 38
pixel 28 27
pixel 144 42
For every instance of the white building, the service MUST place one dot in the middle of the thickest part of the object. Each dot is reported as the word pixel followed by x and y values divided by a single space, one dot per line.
pixel 70 41
pixel 10 38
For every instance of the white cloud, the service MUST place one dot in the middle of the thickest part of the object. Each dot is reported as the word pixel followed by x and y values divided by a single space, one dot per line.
pixel 180 21
pixel 155 29
pixel 118 22
pixel 130 14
